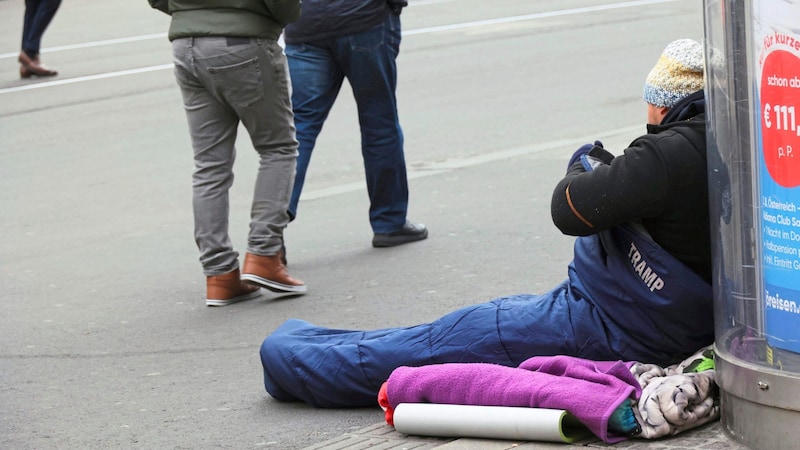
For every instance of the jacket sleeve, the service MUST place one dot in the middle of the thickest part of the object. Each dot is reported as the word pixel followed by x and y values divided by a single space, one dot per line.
pixel 284 11
pixel 161 5
pixel 634 185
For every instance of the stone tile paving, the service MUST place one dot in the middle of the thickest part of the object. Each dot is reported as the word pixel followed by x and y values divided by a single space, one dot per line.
pixel 384 437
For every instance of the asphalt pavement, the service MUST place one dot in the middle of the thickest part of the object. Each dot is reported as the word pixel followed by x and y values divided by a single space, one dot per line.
pixel 106 340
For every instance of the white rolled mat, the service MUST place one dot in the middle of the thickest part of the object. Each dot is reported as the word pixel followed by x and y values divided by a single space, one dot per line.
pixel 496 422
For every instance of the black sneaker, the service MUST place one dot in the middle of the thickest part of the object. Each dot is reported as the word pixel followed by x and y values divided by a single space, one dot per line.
pixel 409 233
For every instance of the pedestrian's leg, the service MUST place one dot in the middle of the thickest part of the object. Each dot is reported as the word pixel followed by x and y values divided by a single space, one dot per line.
pixel 372 71
pixel 316 80
pixel 27 25
pixel 36 22
pixel 255 82
pixel 38 15
pixel 212 127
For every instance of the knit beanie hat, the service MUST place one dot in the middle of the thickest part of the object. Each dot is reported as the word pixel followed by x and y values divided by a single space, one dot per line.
pixel 678 73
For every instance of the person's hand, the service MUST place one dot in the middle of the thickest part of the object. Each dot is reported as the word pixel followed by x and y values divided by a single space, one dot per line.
pixel 601 154
pixel 583 150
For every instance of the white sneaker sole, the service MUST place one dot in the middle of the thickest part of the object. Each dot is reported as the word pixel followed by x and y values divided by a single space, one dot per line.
pixel 241 298
pixel 272 285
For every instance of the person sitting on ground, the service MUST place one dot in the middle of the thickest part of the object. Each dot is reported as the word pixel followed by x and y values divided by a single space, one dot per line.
pixel 638 288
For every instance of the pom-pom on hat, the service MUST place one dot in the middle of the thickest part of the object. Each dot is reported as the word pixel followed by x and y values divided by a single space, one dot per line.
pixel 678 73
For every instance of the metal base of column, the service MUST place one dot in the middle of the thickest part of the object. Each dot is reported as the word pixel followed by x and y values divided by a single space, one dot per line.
pixel 760 406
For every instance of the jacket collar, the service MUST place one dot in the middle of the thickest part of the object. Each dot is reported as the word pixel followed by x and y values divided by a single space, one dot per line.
pixel 690 106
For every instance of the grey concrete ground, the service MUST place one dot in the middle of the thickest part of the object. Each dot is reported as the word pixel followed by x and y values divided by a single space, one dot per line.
pixel 106 342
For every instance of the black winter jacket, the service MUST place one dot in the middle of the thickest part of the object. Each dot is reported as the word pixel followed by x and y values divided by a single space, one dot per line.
pixel 323 19
pixel 660 181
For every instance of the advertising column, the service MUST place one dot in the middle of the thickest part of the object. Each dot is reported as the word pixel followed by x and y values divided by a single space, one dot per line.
pixel 753 82
pixel 777 27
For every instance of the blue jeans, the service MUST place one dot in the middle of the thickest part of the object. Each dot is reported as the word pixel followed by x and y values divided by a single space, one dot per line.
pixel 38 15
pixel 225 81
pixel 368 61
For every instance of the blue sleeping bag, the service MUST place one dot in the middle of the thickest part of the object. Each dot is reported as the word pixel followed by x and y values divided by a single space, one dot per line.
pixel 625 298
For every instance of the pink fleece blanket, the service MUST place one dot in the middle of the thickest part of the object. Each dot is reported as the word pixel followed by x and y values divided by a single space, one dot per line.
pixel 589 390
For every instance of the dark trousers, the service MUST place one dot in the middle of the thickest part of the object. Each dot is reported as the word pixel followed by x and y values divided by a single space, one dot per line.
pixel 368 61
pixel 38 15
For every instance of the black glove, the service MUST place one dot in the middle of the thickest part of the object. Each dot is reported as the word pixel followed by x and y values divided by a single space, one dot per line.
pixel 600 153
pixel 597 156
pixel 583 150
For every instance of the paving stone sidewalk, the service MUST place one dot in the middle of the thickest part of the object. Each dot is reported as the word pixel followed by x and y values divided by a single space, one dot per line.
pixel 384 437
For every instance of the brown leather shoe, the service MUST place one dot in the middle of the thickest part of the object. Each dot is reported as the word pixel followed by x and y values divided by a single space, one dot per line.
pixel 222 290
pixel 270 272
pixel 32 66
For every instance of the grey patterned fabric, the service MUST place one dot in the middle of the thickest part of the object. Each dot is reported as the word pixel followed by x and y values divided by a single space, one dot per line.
pixel 676 398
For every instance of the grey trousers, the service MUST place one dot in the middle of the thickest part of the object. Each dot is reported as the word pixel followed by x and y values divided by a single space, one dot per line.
pixel 224 81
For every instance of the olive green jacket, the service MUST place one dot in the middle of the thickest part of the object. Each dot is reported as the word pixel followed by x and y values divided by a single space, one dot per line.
pixel 237 18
